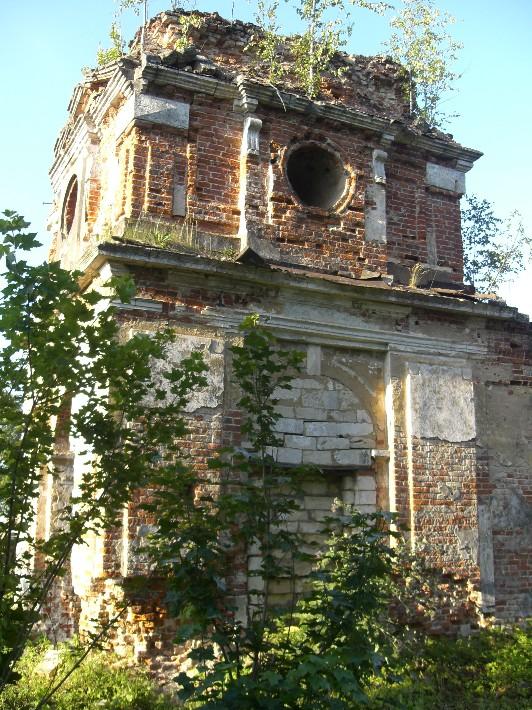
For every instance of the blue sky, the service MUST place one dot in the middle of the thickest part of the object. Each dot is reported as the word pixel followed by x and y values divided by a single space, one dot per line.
pixel 45 45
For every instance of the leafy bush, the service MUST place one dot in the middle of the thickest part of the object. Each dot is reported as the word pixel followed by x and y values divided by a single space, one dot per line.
pixel 491 669
pixel 101 681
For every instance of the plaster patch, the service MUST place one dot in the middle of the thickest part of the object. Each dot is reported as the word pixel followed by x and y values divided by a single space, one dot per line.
pixel 375 213
pixel 442 403
pixel 468 544
pixel 509 509
pixel 209 396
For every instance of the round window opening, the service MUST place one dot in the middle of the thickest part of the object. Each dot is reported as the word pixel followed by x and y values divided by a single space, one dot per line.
pixel 316 175
pixel 69 205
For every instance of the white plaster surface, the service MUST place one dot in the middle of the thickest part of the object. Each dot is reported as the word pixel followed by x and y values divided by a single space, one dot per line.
pixel 442 402
pixel 213 354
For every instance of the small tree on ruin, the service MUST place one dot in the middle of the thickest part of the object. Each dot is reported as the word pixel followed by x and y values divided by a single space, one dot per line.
pixel 422 44
pixel 494 248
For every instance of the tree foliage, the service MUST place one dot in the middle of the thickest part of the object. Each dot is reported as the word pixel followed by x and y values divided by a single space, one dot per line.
pixel 494 248
pixel 422 43
pixel 325 27
pixel 116 51
pixel 61 353
pixel 322 36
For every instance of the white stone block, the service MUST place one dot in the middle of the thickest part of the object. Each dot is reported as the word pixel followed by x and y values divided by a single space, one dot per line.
pixel 445 178
pixel 375 213
pixel 152 109
pixel 179 200
pixel 311 528
pixel 366 509
pixel 254 563
pixel 365 483
pixel 348 482
pixel 306 383
pixel 285 455
pixel 255 583
pixel 320 516
pixel 299 515
pixel 348 497
pixel 284 411
pixel 300 442
pixel 314 488
pixel 365 497
pixel 347 415
pixel 322 399
pixel 321 428
pixel 353 457
pixel 330 443
pixel 289 426
pixel 318 458
pixel 314 360
pixel 312 413
pixel 250 135
pixel 318 503
pixel 282 393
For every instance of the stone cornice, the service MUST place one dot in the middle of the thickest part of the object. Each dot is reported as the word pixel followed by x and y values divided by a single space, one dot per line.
pixel 357 292
pixel 77 142
pixel 125 80
pixel 188 81
pixel 246 91
pixel 119 86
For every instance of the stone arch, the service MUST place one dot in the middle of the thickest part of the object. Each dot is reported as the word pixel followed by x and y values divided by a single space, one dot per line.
pixel 369 390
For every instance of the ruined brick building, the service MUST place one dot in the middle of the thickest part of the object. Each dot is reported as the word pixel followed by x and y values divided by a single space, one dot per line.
pixel 338 220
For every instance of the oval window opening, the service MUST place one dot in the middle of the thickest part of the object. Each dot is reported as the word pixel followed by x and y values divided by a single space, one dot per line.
pixel 316 175
pixel 69 205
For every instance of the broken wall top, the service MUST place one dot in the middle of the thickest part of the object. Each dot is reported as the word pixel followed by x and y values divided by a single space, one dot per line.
pixel 226 49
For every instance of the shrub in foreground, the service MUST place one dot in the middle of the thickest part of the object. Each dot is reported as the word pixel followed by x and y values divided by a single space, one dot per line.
pixel 491 669
pixel 101 681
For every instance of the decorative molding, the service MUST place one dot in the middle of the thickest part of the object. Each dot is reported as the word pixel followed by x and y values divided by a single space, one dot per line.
pixel 247 92
pixel 250 135
pixel 120 255
pixel 379 158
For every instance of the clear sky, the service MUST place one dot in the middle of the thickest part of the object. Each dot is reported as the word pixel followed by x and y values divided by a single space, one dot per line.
pixel 46 43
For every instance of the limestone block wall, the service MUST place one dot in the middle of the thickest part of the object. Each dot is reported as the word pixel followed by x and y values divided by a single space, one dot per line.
pixel 322 423
pixel 319 501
